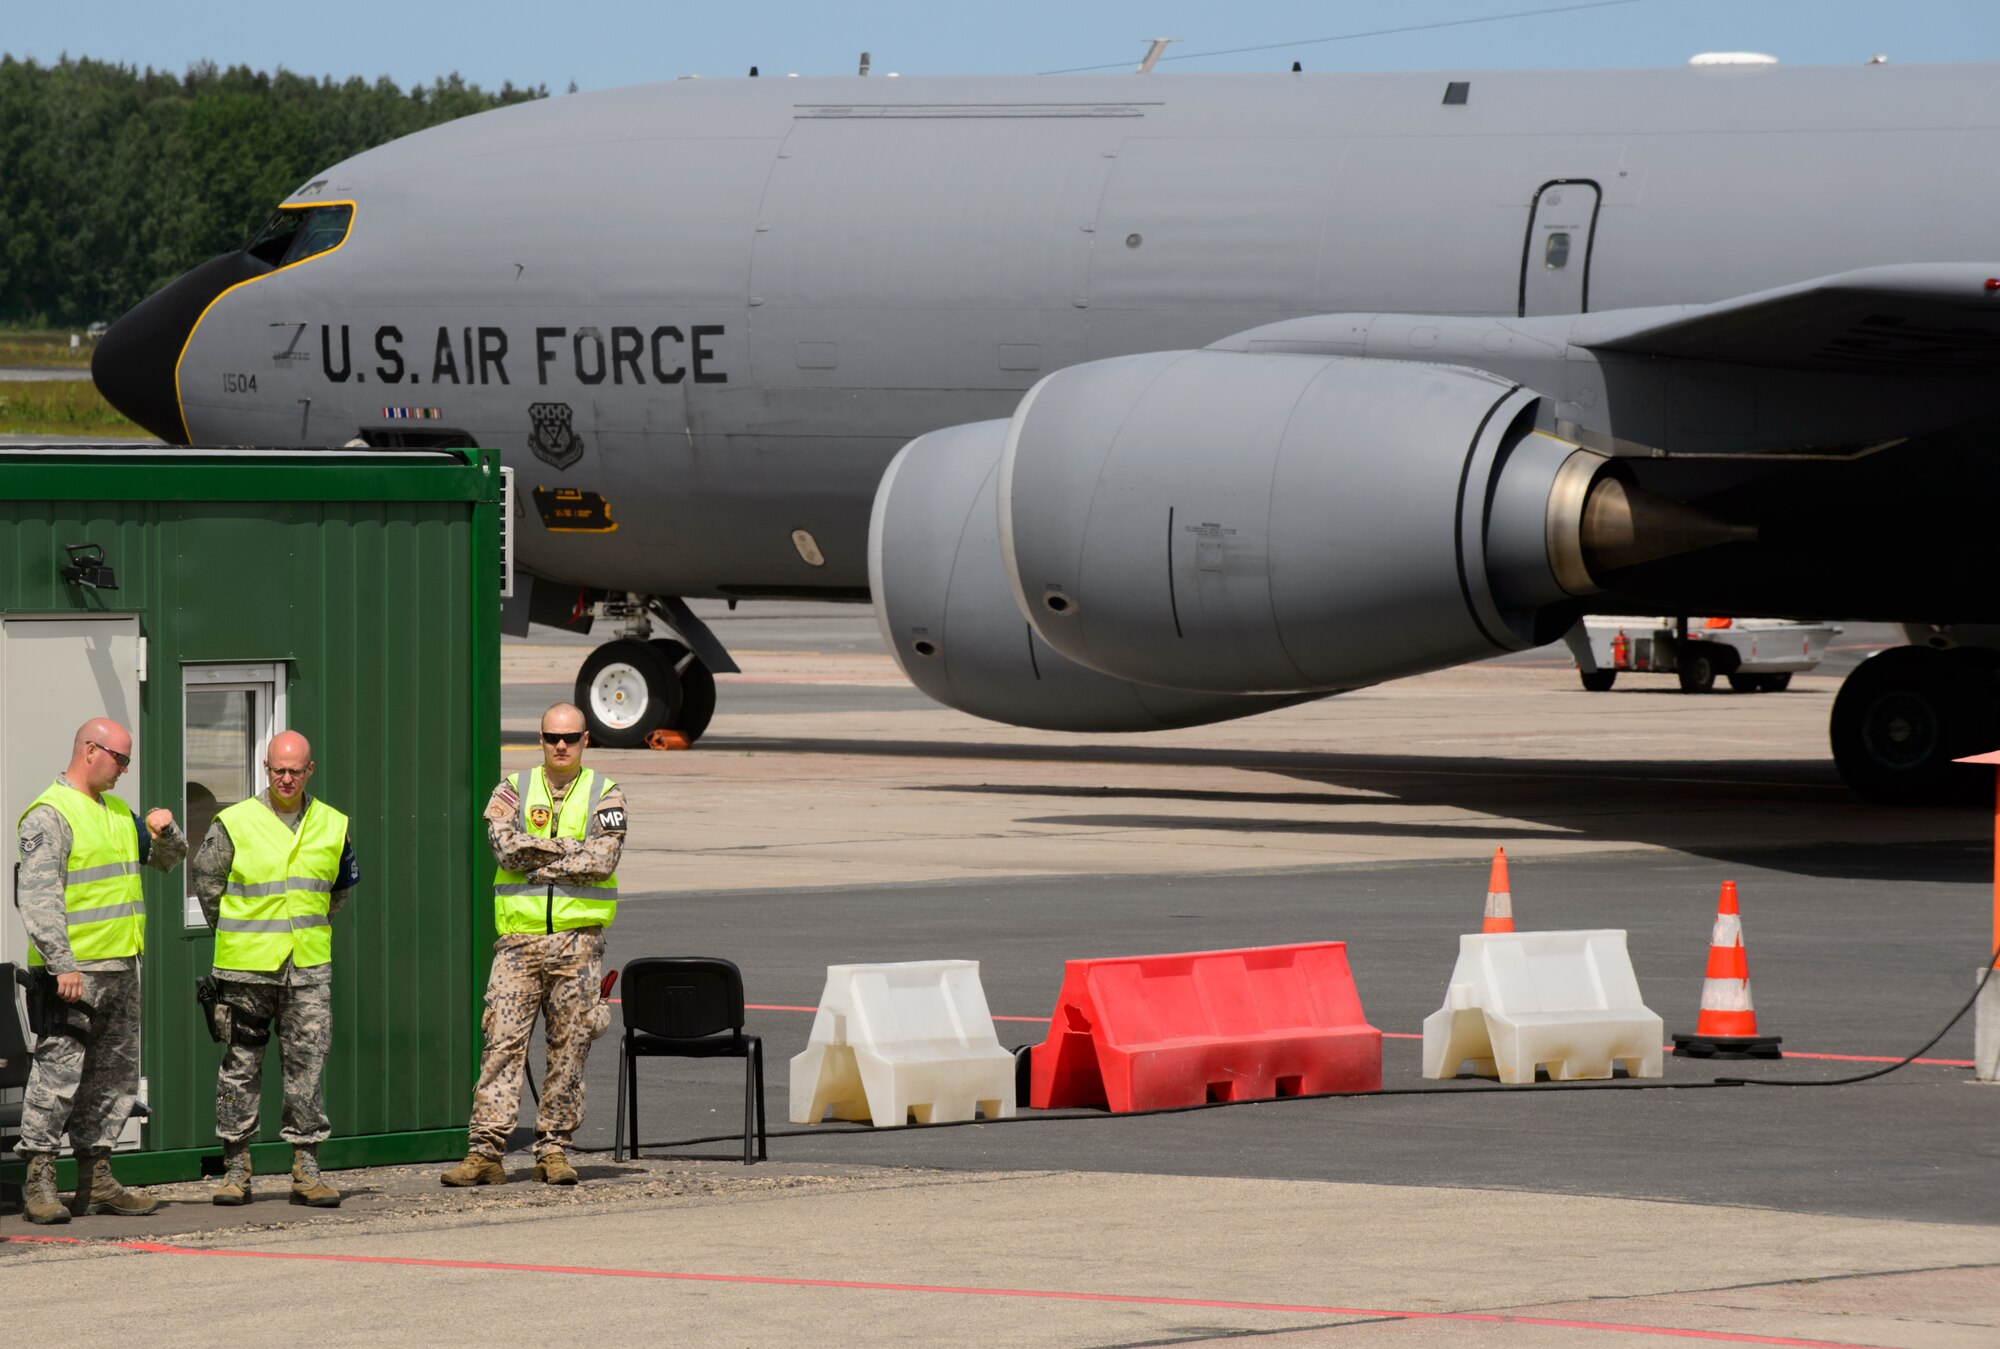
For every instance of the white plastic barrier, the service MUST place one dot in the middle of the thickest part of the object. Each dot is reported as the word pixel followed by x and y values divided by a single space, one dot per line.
pixel 895 1041
pixel 1567 1000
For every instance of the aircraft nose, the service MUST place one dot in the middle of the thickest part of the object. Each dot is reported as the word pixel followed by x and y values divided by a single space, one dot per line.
pixel 134 364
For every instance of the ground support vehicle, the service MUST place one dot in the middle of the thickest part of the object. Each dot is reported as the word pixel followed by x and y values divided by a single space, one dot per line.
pixel 1754 655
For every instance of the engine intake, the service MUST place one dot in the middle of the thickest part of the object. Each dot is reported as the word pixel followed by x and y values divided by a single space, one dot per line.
pixel 945 610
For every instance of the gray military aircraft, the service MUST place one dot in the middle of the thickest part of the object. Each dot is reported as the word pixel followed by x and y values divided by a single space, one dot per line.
pixel 1176 398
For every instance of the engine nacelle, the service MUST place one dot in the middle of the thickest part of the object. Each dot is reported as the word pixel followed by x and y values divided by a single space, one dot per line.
pixel 1270 523
pixel 946 611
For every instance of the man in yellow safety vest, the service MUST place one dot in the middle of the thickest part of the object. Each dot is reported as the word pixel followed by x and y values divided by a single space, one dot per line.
pixel 556 833
pixel 271 874
pixel 77 886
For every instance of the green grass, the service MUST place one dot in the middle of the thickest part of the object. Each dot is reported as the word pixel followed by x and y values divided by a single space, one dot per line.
pixel 44 349
pixel 59 407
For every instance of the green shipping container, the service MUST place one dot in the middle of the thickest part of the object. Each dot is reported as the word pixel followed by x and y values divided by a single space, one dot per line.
pixel 350 595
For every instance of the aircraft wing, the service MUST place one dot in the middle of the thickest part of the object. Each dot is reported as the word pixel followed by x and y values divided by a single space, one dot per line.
pixel 1916 318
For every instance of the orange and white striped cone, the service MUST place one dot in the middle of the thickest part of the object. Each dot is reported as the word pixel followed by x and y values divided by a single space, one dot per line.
pixel 1499 899
pixel 1727 1025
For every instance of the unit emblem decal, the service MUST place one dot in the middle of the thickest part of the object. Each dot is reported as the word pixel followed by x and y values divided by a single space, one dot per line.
pixel 538 816
pixel 552 439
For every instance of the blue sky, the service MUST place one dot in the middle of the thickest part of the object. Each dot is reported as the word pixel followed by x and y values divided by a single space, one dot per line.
pixel 603 43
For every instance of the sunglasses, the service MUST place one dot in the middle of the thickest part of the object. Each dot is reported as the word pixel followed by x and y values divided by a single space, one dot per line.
pixel 124 760
pixel 563 737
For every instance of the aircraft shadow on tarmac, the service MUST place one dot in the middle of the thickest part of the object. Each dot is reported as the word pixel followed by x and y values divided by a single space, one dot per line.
pixel 1814 824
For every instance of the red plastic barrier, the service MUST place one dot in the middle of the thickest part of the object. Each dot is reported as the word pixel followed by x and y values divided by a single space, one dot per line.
pixel 1144 1032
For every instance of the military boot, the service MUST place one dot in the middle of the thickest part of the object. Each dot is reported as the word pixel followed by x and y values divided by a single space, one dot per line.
pixel 44 1204
pixel 98 1191
pixel 307 1186
pixel 236 1172
pixel 476 1169
pixel 552 1168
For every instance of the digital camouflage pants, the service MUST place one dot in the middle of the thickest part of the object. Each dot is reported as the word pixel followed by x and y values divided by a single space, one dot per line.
pixel 74 1087
pixel 302 1029
pixel 555 976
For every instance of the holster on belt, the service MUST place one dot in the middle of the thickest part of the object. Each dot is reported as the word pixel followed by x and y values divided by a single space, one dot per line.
pixel 209 994
pixel 49 1015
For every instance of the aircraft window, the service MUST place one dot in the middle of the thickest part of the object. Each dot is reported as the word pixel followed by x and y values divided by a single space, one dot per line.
pixel 325 227
pixel 293 235
pixel 272 242
pixel 1556 256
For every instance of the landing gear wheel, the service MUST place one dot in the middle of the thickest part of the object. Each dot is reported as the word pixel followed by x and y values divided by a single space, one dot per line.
pixel 1598 681
pixel 1903 715
pixel 697 688
pixel 627 691
pixel 1697 671
pixel 1777 683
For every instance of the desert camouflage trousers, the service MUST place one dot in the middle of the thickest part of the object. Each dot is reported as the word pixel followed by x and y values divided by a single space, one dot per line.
pixel 73 1086
pixel 555 976
pixel 302 1029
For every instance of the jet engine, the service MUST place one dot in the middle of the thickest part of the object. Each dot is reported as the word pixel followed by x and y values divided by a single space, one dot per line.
pixel 1276 523
pixel 946 611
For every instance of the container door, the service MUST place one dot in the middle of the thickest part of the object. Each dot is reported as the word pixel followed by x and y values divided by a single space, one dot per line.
pixel 1555 267
pixel 56 674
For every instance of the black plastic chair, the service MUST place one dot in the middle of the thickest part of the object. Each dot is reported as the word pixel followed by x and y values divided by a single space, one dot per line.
pixel 14 1059
pixel 686 1007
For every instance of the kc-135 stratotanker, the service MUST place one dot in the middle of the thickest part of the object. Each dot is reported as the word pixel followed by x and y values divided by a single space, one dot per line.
pixel 1144 402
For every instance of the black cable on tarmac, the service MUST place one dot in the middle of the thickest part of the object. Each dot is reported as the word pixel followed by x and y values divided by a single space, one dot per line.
pixel 1904 1062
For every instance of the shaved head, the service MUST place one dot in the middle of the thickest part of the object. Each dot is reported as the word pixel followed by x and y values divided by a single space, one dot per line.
pixel 288 763
pixel 98 755
pixel 562 759
pixel 101 731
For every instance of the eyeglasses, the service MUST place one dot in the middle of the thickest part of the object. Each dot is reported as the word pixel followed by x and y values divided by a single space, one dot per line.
pixel 286 772
pixel 124 760
pixel 563 737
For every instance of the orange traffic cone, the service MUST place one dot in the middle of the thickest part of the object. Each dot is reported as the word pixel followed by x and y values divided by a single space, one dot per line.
pixel 1727 1025
pixel 1499 900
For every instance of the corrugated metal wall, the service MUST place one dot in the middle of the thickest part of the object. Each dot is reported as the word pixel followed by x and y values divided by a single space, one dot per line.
pixel 385 613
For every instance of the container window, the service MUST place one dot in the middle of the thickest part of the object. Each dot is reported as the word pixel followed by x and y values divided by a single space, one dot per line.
pixel 229 714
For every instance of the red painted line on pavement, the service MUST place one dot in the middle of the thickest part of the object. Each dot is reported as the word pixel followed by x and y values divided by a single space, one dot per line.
pixel 1416 1035
pixel 1038 1294
pixel 1878 1058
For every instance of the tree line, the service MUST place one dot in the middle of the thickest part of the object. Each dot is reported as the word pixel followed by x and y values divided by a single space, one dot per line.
pixel 114 180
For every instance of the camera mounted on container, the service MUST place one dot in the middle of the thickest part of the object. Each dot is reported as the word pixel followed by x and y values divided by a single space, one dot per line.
pixel 86 567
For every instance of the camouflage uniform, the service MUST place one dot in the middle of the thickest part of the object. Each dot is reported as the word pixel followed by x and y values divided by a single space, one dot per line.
pixel 299 1001
pixel 74 1087
pixel 553 974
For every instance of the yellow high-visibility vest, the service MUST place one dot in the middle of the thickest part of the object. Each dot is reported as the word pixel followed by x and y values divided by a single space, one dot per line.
pixel 520 905
pixel 102 901
pixel 280 887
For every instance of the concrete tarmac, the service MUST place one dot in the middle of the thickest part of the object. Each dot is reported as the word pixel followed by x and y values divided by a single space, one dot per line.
pixel 828 817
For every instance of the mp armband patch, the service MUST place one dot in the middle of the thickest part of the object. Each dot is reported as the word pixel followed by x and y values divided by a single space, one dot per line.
pixel 611 820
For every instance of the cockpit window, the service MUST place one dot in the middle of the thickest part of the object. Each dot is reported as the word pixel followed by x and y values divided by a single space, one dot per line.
pixel 295 233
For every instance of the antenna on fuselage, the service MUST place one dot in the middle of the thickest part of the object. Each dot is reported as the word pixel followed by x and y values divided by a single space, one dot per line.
pixel 864 64
pixel 1153 55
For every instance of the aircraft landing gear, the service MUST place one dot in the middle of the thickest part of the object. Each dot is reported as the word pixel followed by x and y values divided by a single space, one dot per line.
pixel 639 684
pixel 1904 714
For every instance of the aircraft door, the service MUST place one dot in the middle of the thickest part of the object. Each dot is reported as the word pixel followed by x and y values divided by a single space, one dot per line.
pixel 1555 263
